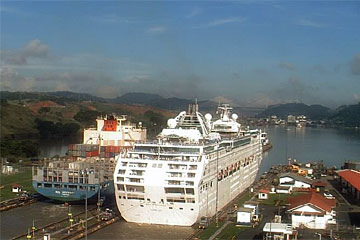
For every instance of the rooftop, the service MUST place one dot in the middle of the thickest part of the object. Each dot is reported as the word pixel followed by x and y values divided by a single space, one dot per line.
pixel 296 177
pixel 278 228
pixel 351 176
pixel 313 198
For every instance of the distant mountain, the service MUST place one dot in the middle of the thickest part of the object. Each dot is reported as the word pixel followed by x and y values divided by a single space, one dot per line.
pixel 348 116
pixel 76 96
pixel 314 112
pixel 137 98
pixel 60 97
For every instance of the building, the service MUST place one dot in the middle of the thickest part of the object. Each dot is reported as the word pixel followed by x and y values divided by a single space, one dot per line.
pixel 284 189
pixel 291 120
pixel 294 180
pixel 350 180
pixel 312 210
pixel 244 216
pixel 7 169
pixel 352 165
pixel 263 194
pixel 319 186
pixel 280 231
pixel 16 188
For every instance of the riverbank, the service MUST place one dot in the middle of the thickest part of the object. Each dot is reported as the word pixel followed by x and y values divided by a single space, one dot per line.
pixel 21 177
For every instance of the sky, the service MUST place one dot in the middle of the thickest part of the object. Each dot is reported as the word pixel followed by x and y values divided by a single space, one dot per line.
pixel 254 53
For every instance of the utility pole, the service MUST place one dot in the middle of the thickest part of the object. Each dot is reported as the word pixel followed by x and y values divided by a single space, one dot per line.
pixel 217 185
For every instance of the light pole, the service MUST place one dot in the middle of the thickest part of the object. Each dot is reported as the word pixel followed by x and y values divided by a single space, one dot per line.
pixel 86 174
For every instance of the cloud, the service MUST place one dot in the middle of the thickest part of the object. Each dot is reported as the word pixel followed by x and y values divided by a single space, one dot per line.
pixel 13 81
pixel 219 22
pixel 318 68
pixel 309 23
pixel 113 18
pixel 294 90
pixel 355 65
pixel 194 12
pixel 34 49
pixel 156 29
pixel 287 65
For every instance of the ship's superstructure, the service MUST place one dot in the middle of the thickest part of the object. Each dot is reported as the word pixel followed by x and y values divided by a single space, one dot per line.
pixel 194 169
pixel 89 165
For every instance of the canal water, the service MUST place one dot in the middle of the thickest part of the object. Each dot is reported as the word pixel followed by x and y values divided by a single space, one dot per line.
pixel 304 144
pixel 332 146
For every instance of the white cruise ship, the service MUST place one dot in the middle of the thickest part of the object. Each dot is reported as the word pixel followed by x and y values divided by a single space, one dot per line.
pixel 194 169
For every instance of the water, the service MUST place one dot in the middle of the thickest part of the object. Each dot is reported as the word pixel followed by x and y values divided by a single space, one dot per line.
pixel 16 221
pixel 333 146
pixel 304 144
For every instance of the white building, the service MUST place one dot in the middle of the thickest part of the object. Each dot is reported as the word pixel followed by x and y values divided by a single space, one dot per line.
pixel 263 194
pixel 244 216
pixel 280 231
pixel 312 210
pixel 16 188
pixel 294 180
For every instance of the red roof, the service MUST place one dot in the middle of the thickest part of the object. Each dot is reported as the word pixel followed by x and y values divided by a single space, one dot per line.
pixel 319 184
pixel 351 176
pixel 313 198
pixel 15 185
pixel 264 190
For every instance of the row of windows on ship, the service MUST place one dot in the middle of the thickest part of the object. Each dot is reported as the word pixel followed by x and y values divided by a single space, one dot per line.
pixel 161 157
pixel 232 168
pixel 156 165
pixel 67 186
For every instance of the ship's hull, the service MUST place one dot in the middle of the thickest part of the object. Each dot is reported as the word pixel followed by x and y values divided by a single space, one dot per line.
pixel 75 194
pixel 210 192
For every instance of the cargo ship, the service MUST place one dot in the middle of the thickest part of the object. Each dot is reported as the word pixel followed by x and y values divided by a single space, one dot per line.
pixel 194 168
pixel 89 165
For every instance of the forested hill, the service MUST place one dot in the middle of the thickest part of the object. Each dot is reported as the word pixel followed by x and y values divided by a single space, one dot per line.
pixel 314 112
pixel 348 116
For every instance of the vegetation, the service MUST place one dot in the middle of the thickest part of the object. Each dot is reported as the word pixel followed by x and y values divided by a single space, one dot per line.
pixel 48 129
pixel 348 116
pixel 23 178
pixel 245 197
pixel 86 117
pixel 314 112
pixel 210 230
pixel 230 232
pixel 19 148
pixel 155 122
pixel 279 199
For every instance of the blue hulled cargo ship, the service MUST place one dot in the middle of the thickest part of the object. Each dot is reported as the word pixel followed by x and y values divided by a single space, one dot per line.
pixel 87 170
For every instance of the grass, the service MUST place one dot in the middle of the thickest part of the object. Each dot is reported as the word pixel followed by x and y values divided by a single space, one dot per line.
pixel 230 232
pixel 23 178
pixel 282 198
pixel 210 230
pixel 245 197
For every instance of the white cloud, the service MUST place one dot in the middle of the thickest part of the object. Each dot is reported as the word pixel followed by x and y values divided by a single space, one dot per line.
pixel 287 65
pixel 194 12
pixel 309 23
pixel 219 22
pixel 113 18
pixel 34 49
pixel 156 29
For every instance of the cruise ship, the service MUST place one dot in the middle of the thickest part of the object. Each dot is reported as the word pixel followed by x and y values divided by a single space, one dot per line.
pixel 194 168
pixel 90 164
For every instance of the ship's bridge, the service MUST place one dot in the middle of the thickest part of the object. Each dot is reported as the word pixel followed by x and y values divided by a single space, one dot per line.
pixel 188 126
pixel 226 124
